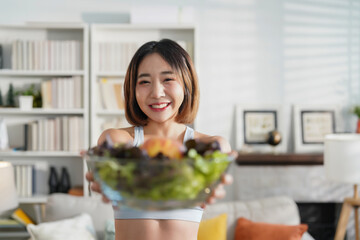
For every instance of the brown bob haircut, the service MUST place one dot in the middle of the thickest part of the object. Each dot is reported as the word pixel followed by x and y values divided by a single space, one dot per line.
pixel 181 63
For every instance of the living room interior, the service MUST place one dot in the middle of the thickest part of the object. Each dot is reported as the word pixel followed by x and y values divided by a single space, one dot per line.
pixel 276 77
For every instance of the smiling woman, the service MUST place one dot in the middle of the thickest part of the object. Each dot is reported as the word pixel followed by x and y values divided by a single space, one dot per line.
pixel 161 96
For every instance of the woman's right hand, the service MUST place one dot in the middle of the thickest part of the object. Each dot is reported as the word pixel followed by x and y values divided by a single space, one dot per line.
pixel 95 186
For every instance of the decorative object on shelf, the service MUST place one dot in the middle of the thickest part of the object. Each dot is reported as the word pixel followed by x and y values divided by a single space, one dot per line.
pixel 10 100
pixel 26 97
pixel 9 198
pixel 356 111
pixel 342 164
pixel 1 100
pixel 77 191
pixel 254 123
pixel 311 124
pixel 4 137
pixel 274 138
pixel 1 57
pixel 53 180
pixel 26 102
pixel 64 184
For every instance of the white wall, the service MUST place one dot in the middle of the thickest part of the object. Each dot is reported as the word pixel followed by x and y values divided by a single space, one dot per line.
pixel 249 51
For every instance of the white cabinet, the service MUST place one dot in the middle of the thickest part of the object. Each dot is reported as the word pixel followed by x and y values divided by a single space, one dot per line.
pixel 112 47
pixel 55 59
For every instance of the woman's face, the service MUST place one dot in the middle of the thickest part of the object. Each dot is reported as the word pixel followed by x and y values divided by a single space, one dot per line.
pixel 159 91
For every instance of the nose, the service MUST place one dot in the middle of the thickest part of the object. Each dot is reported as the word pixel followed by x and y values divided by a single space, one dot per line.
pixel 157 90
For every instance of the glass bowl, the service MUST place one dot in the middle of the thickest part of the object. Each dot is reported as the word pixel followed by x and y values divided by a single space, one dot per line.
pixel 158 184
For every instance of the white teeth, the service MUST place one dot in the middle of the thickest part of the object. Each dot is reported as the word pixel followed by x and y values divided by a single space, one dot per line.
pixel 159 106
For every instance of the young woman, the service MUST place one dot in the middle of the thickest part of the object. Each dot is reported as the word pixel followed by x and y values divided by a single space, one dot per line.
pixel 161 96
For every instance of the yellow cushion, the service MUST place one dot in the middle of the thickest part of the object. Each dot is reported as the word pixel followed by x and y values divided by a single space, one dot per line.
pixel 213 228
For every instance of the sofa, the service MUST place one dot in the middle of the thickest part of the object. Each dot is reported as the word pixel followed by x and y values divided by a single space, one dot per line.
pixel 278 210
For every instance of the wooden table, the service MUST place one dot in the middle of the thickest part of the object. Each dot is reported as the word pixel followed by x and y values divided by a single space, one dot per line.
pixel 279 159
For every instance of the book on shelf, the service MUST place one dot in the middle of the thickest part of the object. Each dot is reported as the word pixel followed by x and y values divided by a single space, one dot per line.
pixel 111 93
pixel 63 133
pixel 62 93
pixel 29 176
pixel 113 56
pixel 48 55
pixel 8 224
pixel 20 216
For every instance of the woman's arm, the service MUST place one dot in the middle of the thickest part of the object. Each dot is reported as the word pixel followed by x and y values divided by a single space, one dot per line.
pixel 117 136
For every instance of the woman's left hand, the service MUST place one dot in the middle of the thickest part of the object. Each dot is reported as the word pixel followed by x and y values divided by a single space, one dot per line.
pixel 219 192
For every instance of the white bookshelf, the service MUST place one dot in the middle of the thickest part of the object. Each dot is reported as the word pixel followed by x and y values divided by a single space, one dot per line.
pixel 41 111
pixel 9 154
pixel 61 34
pixel 123 34
pixel 37 73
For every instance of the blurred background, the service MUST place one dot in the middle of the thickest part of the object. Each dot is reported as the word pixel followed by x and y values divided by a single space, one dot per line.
pixel 248 51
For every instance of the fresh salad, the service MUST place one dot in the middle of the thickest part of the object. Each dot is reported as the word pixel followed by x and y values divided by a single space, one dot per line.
pixel 160 169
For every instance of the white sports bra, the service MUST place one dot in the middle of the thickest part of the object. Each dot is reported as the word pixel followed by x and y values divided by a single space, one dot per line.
pixel 187 214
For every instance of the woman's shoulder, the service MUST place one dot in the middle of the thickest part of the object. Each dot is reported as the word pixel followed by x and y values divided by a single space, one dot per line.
pixel 224 144
pixel 122 135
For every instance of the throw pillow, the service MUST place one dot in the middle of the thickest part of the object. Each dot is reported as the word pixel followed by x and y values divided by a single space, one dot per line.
pixel 248 230
pixel 109 230
pixel 213 228
pixel 76 228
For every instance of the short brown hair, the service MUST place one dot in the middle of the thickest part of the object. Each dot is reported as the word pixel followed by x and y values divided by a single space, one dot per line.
pixel 180 61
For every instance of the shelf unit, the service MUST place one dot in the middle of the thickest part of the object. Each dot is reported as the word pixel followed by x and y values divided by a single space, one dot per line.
pixel 116 36
pixel 51 34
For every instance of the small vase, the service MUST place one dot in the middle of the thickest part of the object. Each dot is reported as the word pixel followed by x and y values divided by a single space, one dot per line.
pixel 64 185
pixel 53 180
pixel 26 102
pixel 358 126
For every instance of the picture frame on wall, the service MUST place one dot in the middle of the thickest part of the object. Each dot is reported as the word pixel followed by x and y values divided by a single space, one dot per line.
pixel 253 124
pixel 311 124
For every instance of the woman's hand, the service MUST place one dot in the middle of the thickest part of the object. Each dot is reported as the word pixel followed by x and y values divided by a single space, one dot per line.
pixel 219 192
pixel 95 186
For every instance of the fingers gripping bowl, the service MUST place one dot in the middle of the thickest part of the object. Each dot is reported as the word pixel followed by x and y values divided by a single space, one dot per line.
pixel 161 174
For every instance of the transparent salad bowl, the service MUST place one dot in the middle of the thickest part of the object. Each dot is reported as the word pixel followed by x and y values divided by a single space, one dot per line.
pixel 158 184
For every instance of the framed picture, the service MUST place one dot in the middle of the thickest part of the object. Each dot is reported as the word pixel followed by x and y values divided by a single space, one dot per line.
pixel 253 124
pixel 311 124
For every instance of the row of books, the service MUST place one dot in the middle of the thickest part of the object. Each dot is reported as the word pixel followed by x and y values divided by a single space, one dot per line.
pixel 65 133
pixel 111 93
pixel 46 55
pixel 65 93
pixel 28 176
pixel 17 222
pixel 115 56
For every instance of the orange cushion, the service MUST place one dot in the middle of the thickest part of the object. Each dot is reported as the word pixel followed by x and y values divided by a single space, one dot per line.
pixel 248 230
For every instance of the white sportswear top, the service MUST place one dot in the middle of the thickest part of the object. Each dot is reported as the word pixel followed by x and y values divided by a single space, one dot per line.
pixel 187 214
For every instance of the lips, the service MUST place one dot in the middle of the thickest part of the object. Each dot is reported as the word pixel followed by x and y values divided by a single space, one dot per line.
pixel 159 106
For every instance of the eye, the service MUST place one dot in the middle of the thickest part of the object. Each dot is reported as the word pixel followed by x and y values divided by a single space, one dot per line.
pixel 142 82
pixel 168 79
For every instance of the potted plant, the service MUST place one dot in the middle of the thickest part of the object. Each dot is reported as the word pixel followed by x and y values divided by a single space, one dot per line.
pixel 356 111
pixel 26 98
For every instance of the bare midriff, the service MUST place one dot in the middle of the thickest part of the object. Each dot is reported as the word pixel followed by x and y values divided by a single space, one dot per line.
pixel 153 229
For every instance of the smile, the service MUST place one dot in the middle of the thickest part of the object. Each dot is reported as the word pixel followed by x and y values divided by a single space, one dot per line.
pixel 160 106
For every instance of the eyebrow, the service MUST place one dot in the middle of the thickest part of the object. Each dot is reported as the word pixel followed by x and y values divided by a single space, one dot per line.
pixel 148 75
